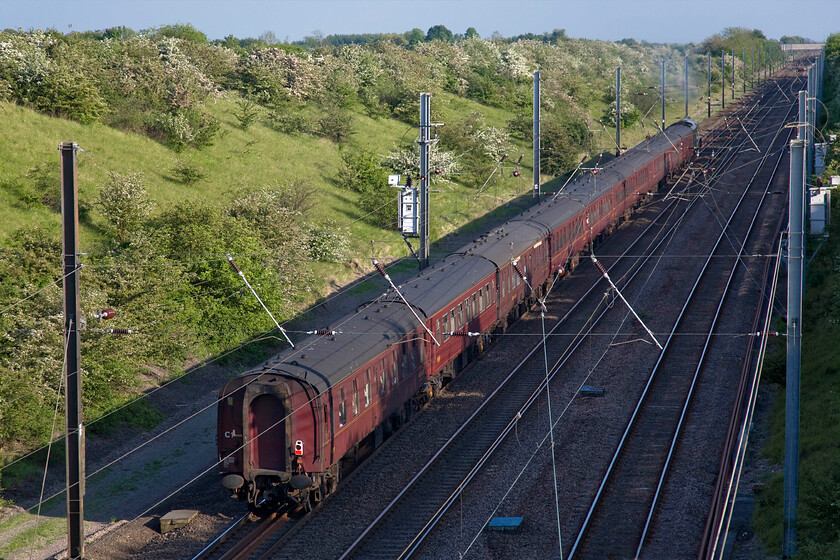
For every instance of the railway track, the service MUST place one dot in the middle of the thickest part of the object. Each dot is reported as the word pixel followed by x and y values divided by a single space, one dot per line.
pixel 413 514
pixel 399 537
pixel 246 537
pixel 621 514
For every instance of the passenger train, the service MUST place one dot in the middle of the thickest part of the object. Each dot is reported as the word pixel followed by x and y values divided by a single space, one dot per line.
pixel 285 426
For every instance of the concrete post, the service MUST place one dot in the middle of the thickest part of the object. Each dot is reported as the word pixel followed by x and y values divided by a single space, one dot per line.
pixel 618 111
pixel 536 138
pixel 74 441
pixel 794 342
pixel 424 198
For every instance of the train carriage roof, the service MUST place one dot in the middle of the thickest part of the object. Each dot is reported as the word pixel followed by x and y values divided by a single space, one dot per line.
pixel 324 361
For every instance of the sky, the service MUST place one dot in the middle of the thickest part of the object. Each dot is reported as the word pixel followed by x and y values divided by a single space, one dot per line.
pixel 669 21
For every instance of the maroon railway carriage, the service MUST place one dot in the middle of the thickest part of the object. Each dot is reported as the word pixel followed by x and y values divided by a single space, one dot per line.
pixel 284 427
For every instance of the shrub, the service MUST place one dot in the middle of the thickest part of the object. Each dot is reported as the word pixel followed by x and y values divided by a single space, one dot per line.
pixel 630 115
pixel 187 173
pixel 187 127
pixel 336 126
pixel 247 112
pixel 326 243
pixel 46 184
pixel 290 122
pixel 363 173
pixel 125 204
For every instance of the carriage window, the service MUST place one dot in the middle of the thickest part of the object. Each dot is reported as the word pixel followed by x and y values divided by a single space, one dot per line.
pixel 460 315
pixel 382 382
pixel 342 408
pixel 367 388
pixel 394 373
pixel 452 322
pixel 437 328
pixel 467 311
pixel 480 300
pixel 488 293
pixel 355 398
pixel 446 330
pixel 475 305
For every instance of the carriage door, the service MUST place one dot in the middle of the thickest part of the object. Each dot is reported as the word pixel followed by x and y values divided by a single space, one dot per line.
pixel 667 172
pixel 267 433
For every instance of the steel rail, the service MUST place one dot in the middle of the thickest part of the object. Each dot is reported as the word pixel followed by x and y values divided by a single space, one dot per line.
pixel 732 272
pixel 220 539
pixel 620 447
pixel 743 435
pixel 512 424
pixel 351 549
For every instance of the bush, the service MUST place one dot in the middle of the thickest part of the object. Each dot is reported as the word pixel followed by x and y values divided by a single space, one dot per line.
pixel 125 204
pixel 187 127
pixel 630 115
pixel 326 243
pixel 336 126
pixel 247 112
pixel 187 173
pixel 290 122
pixel 363 174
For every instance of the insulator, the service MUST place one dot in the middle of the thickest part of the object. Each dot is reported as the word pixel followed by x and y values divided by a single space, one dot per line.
pixel 519 272
pixel 380 268
pixel 437 170
pixel 519 161
pixel 516 173
pixel 233 264
pixel 464 333
pixel 120 331
pixel 107 313
pixel 503 158
pixel 561 271
pixel 323 332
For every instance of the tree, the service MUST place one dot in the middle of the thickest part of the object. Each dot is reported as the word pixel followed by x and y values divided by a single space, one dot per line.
pixel 269 38
pixel 119 32
pixel 414 36
pixel 125 204
pixel 471 33
pixel 440 33
pixel 795 39
pixel 184 31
